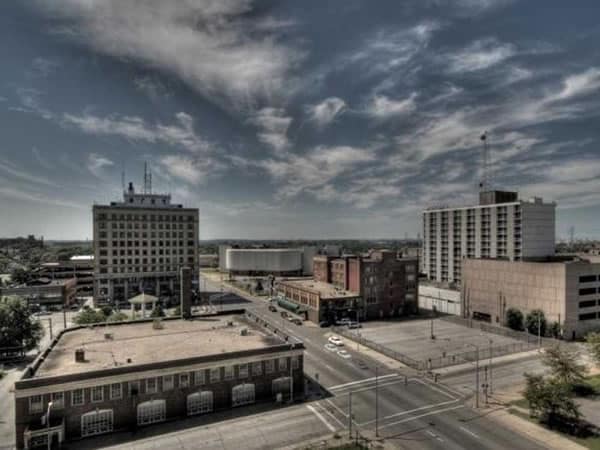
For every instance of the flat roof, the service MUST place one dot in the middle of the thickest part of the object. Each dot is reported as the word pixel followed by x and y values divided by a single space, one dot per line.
pixel 142 344
pixel 325 290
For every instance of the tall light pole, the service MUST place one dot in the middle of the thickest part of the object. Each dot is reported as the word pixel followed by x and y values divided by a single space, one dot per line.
pixel 476 373
pixel 48 426
pixel 491 356
pixel 376 401
pixel 350 414
pixel 292 377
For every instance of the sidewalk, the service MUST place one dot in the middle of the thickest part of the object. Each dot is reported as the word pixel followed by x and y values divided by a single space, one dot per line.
pixel 499 361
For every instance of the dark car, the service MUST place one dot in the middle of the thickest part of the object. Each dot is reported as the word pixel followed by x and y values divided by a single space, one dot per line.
pixel 324 324
pixel 284 314
pixel 297 321
pixel 272 308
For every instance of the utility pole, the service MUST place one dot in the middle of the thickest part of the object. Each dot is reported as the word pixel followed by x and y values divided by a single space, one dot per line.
pixel 292 377
pixel 491 356
pixel 432 335
pixel 350 414
pixel 476 374
pixel 64 317
pixel 376 401
pixel 539 331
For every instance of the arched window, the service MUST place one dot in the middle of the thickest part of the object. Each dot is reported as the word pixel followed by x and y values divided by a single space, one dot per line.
pixel 96 422
pixel 151 411
pixel 281 385
pixel 242 394
pixel 199 402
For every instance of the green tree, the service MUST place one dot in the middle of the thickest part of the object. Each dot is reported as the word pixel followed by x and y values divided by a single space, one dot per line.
pixel 117 316
pixel 534 319
pixel 20 275
pixel 106 310
pixel 514 319
pixel 89 316
pixel 17 327
pixel 564 366
pixel 550 401
pixel 158 311
pixel 593 341
pixel 555 330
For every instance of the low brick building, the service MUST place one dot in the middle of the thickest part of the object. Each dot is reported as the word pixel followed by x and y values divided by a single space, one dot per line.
pixel 122 376
pixel 44 291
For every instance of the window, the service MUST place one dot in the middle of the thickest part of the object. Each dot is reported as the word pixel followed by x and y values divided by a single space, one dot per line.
pixel 588 316
pixel 134 388
pixel 256 368
pixel 587 291
pixel 282 363
pixel 58 400
pixel 215 375
pixel 269 366
pixel 35 404
pixel 97 394
pixel 587 278
pixel 281 385
pixel 184 380
pixel 167 382
pixel 242 394
pixel 151 386
pixel 116 391
pixel 151 412
pixel 77 397
pixel 587 303
pixel 97 422
pixel 199 402
pixel 243 370
pixel 199 377
pixel 295 362
pixel 228 373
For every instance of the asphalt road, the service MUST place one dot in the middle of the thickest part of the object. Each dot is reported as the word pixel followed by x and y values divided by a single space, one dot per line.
pixel 412 412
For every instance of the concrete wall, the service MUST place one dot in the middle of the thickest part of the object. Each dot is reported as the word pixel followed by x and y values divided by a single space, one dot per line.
pixel 445 301
pixel 538 229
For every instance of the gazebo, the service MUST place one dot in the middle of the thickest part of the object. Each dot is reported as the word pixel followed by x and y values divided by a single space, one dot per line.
pixel 142 299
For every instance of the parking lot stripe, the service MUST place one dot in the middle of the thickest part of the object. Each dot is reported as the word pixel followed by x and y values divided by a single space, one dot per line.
pixel 366 380
pixel 337 408
pixel 408 419
pixel 330 414
pixel 470 432
pixel 321 418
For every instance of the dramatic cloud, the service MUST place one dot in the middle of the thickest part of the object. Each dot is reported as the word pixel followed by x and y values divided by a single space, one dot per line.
pixel 382 107
pixel 479 55
pixel 152 87
pixel 325 112
pixel 188 169
pixel 273 125
pixel 215 46
pixel 96 163
pixel 181 133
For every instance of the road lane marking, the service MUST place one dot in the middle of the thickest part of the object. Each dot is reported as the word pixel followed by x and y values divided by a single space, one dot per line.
pixel 366 380
pixel 336 407
pixel 321 418
pixel 421 408
pixel 470 432
pixel 330 414
pixel 434 388
pixel 408 419
pixel 432 434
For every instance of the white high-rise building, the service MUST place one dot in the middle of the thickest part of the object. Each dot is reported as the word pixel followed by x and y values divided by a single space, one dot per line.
pixel 140 244
pixel 500 226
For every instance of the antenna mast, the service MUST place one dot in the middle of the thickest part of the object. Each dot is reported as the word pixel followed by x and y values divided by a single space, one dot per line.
pixel 484 184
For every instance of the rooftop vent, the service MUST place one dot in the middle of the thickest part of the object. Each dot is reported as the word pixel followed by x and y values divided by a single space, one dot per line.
pixel 79 355
pixel 230 323
pixel 244 332
pixel 108 336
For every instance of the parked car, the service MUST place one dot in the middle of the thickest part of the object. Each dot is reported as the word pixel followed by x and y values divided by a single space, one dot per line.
pixel 354 325
pixel 284 314
pixel 324 324
pixel 297 321
pixel 343 321
pixel 360 363
pixel 336 341
pixel 272 308
pixel 344 354
pixel 331 347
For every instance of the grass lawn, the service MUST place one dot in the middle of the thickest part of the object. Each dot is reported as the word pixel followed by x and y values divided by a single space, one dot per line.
pixel 593 443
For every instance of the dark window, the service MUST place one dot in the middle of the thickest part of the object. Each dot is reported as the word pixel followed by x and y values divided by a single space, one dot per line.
pixel 587 278
pixel 587 303
pixel 588 316
pixel 587 291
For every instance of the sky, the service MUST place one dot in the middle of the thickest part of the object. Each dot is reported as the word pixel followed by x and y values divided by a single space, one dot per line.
pixel 307 119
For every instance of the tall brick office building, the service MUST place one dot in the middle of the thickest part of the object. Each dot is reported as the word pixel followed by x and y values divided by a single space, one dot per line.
pixel 111 377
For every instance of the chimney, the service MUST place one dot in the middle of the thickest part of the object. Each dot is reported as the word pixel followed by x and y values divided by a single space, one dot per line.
pixel 185 289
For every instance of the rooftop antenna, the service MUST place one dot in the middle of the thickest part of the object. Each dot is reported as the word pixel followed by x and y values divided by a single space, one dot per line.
pixel 484 184
pixel 147 180
pixel 123 175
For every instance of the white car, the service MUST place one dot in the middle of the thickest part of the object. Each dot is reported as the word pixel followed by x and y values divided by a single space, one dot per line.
pixel 344 354
pixel 331 347
pixel 336 341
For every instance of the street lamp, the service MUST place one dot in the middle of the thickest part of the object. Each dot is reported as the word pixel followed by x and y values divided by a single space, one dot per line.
pixel 49 441
pixel 476 373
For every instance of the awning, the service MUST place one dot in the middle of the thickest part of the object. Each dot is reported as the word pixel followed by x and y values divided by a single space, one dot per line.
pixel 290 306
